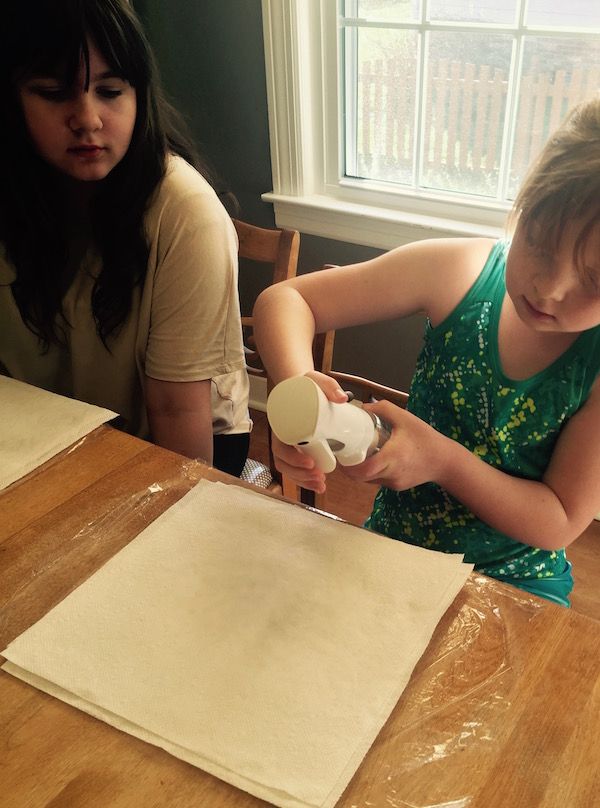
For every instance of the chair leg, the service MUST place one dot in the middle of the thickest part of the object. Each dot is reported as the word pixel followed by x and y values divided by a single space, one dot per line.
pixel 290 489
pixel 307 497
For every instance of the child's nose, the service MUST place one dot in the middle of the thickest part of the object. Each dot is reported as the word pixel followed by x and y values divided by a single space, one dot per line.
pixel 83 114
pixel 555 284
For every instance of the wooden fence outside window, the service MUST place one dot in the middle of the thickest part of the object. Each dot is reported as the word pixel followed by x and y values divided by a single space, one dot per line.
pixel 464 119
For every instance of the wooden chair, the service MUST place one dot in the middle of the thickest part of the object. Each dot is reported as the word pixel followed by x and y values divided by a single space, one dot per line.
pixel 278 249
pixel 368 391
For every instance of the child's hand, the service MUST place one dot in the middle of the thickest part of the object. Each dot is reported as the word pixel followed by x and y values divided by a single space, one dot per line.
pixel 410 457
pixel 296 465
pixel 333 392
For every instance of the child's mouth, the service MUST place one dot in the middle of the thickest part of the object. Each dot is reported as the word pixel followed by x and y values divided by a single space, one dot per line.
pixel 86 151
pixel 538 314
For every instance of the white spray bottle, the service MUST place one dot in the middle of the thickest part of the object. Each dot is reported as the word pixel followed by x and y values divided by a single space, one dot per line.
pixel 300 415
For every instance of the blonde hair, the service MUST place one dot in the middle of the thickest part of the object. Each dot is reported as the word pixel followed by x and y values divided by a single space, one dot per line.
pixel 563 185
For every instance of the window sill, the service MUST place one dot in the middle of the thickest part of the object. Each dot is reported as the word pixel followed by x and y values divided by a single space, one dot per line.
pixel 384 228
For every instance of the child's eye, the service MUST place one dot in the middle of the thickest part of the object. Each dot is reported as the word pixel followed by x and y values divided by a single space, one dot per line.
pixel 109 92
pixel 50 93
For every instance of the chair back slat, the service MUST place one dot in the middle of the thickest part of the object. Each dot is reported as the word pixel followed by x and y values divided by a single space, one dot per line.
pixel 279 248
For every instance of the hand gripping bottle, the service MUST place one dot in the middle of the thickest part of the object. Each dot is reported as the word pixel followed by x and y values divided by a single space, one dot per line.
pixel 300 415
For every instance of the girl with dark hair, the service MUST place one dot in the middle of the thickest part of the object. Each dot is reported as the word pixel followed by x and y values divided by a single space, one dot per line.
pixel 118 262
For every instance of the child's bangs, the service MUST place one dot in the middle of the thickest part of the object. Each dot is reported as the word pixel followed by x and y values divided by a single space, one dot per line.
pixel 59 44
pixel 52 48
pixel 590 230
pixel 544 223
pixel 545 228
pixel 117 39
pixel 547 211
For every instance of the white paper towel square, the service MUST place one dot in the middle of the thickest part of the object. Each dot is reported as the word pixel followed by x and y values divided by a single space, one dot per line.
pixel 35 425
pixel 263 643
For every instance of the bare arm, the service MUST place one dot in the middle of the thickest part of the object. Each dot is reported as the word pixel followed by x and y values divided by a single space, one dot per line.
pixel 180 418
pixel 548 514
pixel 429 276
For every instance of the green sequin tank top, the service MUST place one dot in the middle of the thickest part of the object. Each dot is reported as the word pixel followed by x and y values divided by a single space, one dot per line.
pixel 459 388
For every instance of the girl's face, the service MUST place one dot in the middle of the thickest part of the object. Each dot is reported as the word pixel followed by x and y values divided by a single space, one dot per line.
pixel 549 291
pixel 84 133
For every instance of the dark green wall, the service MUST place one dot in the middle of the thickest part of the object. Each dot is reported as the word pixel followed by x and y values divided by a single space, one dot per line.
pixel 211 58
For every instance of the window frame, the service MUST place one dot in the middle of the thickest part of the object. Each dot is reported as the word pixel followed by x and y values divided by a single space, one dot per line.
pixel 310 192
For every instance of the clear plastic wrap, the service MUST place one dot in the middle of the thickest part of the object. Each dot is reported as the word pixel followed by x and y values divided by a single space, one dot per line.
pixel 85 527
pixel 452 710
pixel 450 717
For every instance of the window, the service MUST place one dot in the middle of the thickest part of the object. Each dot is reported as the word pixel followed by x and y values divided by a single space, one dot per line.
pixel 400 119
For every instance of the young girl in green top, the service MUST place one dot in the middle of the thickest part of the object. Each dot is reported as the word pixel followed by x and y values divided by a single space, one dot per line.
pixel 498 453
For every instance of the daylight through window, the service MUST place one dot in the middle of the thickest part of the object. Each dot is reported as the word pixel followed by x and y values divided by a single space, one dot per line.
pixel 458 96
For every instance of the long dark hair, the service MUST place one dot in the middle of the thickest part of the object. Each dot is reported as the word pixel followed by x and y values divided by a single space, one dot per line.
pixel 50 37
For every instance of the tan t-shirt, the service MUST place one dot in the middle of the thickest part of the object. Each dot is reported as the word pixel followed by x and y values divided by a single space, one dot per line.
pixel 184 324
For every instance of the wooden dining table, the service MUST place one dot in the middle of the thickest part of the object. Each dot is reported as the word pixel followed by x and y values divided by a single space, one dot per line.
pixel 502 711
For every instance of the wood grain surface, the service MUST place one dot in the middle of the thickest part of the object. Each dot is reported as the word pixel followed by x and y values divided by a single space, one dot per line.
pixel 502 711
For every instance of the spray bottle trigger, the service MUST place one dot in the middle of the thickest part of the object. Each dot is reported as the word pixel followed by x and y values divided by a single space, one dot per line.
pixel 321 453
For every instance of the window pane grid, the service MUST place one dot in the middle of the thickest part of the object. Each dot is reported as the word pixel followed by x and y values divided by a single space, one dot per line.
pixel 466 27
pixel 458 107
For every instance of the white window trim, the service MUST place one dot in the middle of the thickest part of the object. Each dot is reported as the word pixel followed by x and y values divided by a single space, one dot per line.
pixel 301 57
